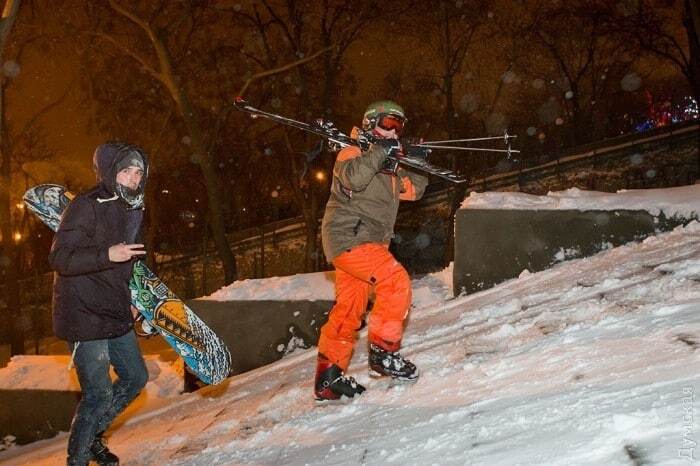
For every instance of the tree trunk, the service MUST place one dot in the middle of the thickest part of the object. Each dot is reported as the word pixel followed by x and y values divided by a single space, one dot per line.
pixel 691 21
pixel 8 259
pixel 459 190
pixel 14 333
pixel 214 193
pixel 311 220
pixel 151 220
pixel 201 157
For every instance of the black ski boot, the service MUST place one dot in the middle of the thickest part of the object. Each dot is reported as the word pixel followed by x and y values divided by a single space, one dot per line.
pixel 383 362
pixel 332 385
pixel 101 454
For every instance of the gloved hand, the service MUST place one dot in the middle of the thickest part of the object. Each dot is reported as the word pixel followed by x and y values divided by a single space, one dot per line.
pixel 392 147
pixel 412 149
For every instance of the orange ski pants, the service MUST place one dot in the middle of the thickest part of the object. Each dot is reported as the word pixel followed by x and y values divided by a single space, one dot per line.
pixel 356 271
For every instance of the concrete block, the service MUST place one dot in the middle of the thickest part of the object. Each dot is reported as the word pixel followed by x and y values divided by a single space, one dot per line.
pixel 492 246
pixel 32 415
pixel 260 332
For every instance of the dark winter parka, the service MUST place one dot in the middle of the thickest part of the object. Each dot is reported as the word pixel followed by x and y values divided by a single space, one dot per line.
pixel 91 297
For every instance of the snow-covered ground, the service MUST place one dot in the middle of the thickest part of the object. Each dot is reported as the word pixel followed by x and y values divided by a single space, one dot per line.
pixel 594 361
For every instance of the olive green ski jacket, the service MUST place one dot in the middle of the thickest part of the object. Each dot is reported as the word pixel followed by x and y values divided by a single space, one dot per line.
pixel 364 200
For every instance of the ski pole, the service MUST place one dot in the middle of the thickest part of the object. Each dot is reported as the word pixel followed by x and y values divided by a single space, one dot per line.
pixel 483 149
pixel 449 141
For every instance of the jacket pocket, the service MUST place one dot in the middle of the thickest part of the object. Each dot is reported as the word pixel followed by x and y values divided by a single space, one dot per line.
pixel 356 228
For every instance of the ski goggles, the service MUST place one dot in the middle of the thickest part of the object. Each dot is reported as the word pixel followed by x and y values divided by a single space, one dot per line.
pixel 388 122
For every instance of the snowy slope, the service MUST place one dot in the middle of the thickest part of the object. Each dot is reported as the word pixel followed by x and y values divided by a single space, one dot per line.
pixel 594 361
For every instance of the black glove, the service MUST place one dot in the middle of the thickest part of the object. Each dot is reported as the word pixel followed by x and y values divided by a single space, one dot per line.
pixel 393 150
pixel 392 147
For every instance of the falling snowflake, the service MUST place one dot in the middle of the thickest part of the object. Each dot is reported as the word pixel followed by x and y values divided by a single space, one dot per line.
pixel 636 159
pixel 509 77
pixel 422 241
pixel 631 82
pixel 469 103
pixel 11 69
pixel 549 111
pixel 496 123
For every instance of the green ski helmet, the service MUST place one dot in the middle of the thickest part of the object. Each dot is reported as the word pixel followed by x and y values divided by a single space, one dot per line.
pixel 377 111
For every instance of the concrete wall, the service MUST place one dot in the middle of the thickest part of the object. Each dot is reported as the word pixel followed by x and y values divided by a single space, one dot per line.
pixel 261 332
pixel 32 415
pixel 492 246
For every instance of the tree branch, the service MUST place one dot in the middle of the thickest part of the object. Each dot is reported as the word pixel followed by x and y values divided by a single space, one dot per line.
pixel 129 52
pixel 30 123
pixel 280 69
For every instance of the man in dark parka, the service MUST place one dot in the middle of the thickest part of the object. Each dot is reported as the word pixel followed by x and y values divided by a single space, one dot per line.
pixel 92 254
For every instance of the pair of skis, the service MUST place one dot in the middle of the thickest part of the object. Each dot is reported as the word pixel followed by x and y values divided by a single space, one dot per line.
pixel 415 156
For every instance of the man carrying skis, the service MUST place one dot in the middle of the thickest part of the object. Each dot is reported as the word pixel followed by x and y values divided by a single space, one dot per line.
pixel 93 253
pixel 357 227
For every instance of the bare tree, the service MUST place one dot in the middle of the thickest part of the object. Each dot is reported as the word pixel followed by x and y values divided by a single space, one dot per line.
pixel 173 28
pixel 451 29
pixel 582 61
pixel 12 154
pixel 9 258
pixel 164 71
pixel 664 30
pixel 292 29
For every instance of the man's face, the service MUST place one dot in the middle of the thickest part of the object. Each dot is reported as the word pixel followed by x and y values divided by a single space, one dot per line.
pixel 130 177
pixel 384 134
pixel 389 127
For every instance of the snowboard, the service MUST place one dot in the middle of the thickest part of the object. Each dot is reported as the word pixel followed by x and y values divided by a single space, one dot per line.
pixel 202 350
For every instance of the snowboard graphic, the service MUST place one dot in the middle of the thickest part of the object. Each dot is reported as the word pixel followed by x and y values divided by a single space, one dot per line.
pixel 201 349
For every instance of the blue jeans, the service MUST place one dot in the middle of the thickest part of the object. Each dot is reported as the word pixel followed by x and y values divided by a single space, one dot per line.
pixel 101 399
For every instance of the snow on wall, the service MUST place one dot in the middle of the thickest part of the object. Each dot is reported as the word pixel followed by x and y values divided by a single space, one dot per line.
pixel 29 372
pixel 301 287
pixel 682 201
